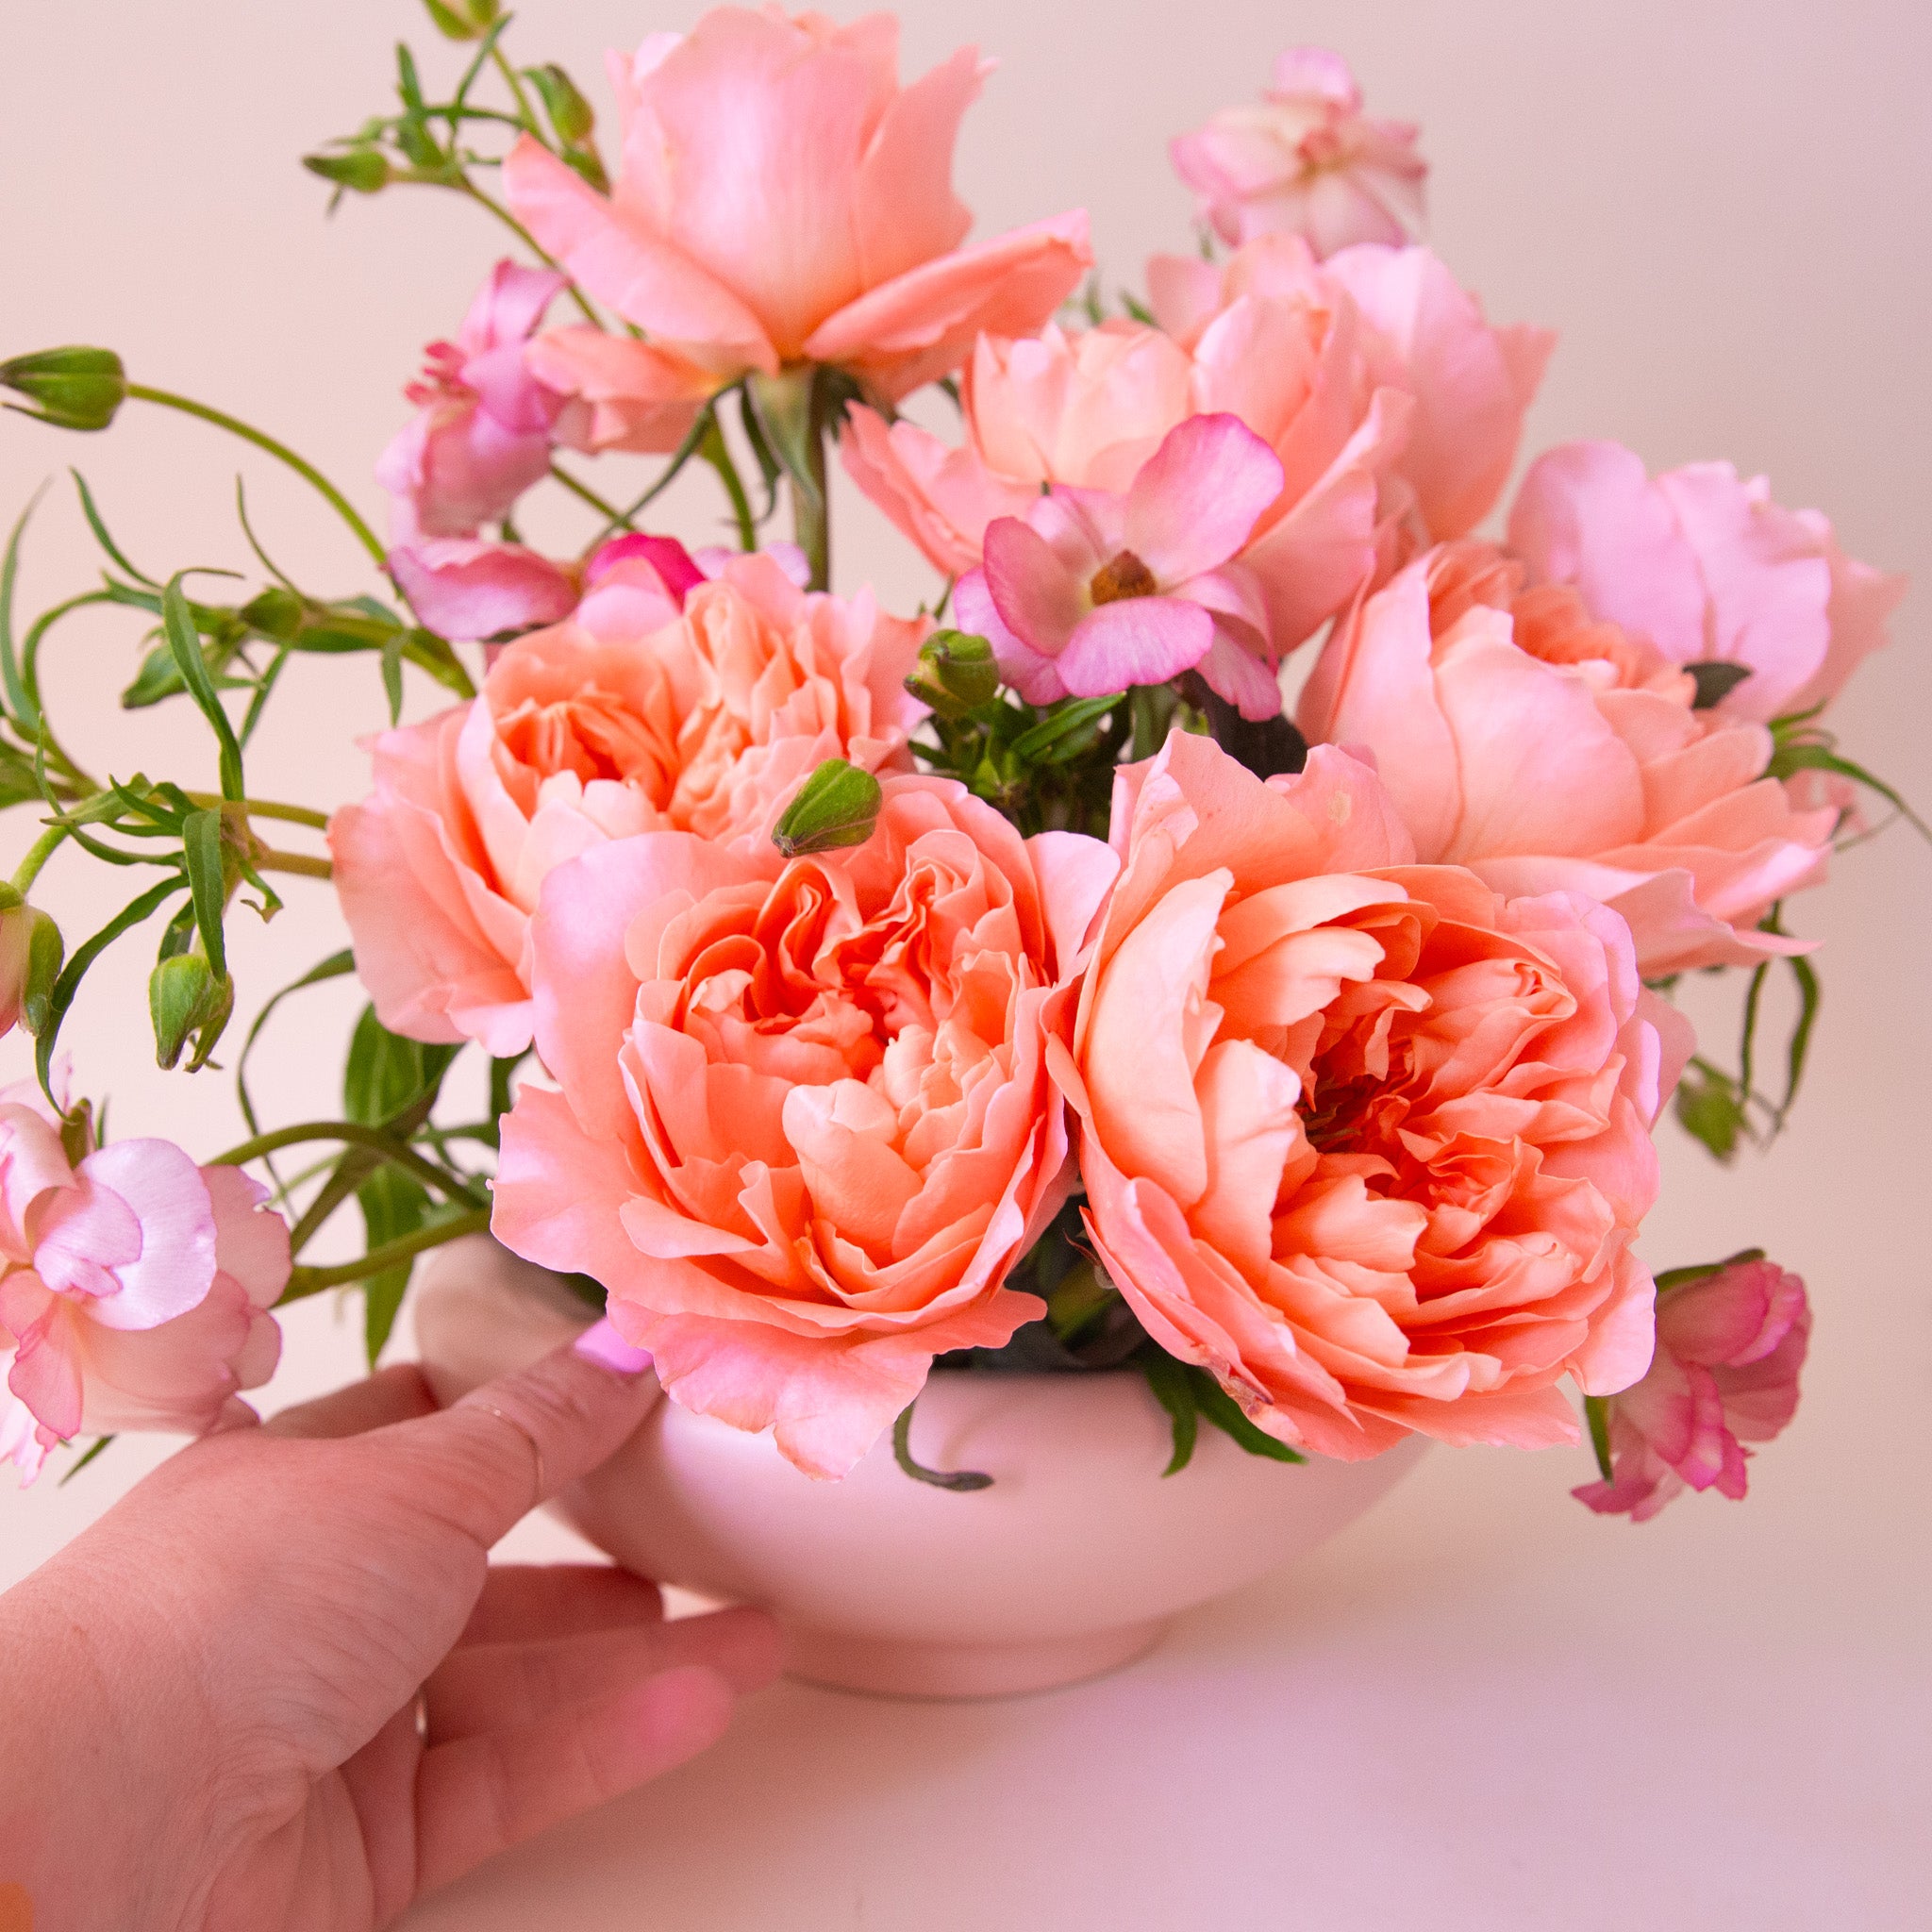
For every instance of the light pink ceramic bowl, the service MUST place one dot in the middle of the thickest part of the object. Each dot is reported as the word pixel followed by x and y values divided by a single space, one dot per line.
pixel 1070 1564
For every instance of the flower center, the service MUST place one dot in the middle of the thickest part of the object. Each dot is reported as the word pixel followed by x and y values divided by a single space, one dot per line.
pixel 1122 575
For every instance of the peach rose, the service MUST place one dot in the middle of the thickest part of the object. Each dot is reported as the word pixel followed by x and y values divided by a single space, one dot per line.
pixel 1362 1137
pixel 134 1287
pixel 1305 160
pixel 627 718
pixel 1729 1346
pixel 781 199
pixel 1284 354
pixel 1707 567
pixel 806 1124
pixel 1547 752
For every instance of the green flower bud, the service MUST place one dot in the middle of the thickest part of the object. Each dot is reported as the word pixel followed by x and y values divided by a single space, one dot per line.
pixel 362 170
pixel 570 114
pixel 277 612
pixel 957 672
pixel 185 1001
pixel 463 19
pixel 837 806
pixel 75 388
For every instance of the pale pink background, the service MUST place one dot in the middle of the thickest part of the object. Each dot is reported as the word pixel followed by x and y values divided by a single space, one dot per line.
pixel 1482 1707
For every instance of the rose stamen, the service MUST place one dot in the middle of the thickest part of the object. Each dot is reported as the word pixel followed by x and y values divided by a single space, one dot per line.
pixel 1123 575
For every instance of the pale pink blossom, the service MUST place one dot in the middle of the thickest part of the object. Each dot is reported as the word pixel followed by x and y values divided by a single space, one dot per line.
pixel 1277 343
pixel 471 589
pixel 660 703
pixel 805 1125
pixel 1362 1137
pixel 1093 591
pixel 1706 566
pixel 781 198
pixel 1729 1346
pixel 485 423
pixel 17 923
pixel 1548 751
pixel 1305 160
pixel 134 1288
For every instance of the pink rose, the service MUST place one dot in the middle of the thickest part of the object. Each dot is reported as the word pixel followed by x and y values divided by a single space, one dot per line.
pixel 486 425
pixel 1707 568
pixel 1549 753
pixel 1283 353
pixel 806 1124
pixel 471 589
pixel 781 198
pixel 1305 160
pixel 1419 334
pixel 1729 1346
pixel 1092 592
pixel 1362 1137
pixel 28 941
pixel 633 716
pixel 134 1288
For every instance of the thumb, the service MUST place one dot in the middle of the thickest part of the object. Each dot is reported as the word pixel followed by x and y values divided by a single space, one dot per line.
pixel 489 1459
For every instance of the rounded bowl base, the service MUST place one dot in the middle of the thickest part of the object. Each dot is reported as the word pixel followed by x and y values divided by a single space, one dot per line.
pixel 951 1673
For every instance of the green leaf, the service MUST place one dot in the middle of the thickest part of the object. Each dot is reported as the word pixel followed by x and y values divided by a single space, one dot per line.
pixel 1226 1414
pixel 386 1075
pixel 959 1480
pixel 101 536
pixel 184 644
pixel 99 1443
pixel 1596 1412
pixel 1175 1392
pixel 201 845
pixel 392 676
pixel 1068 715
pixel 1701 1271
pixel 392 1204
pixel 1138 310
pixel 23 708
pixel 1810 755
pixel 837 806
pixel 783 404
pixel 1711 1108
pixel 768 467
pixel 75 970
pixel 1810 996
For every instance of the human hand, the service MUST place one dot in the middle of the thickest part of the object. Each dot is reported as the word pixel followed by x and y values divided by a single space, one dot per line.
pixel 278 1689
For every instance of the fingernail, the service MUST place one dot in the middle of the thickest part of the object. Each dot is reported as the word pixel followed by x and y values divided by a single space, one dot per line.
pixel 601 1343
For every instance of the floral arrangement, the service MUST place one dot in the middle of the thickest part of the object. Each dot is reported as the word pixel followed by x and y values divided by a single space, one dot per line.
pixel 1230 934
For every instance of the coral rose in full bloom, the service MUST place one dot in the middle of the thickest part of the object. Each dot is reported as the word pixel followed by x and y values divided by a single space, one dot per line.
pixel 806 1124
pixel 1707 568
pixel 1549 752
pixel 134 1287
pixel 631 717
pixel 1305 160
pixel 1729 1345
pixel 781 198
pixel 1363 1138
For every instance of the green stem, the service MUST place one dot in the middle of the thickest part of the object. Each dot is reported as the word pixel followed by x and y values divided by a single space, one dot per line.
pixel 811 510
pixel 612 515
pixel 306 1281
pixel 262 809
pixel 387 1146
pixel 529 242
pixel 281 452
pixel 37 855
pixel 716 452
pixel 516 87
pixel 271 860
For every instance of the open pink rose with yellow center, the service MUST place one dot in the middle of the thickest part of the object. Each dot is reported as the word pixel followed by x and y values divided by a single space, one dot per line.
pixel 1305 160
pixel 1729 1346
pixel 781 199
pixel 806 1124
pixel 1366 1140
pixel 1703 564
pixel 631 717
pixel 1550 752
pixel 134 1287
pixel 1284 354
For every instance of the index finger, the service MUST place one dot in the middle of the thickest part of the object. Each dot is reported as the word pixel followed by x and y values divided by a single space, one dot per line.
pixel 489 1459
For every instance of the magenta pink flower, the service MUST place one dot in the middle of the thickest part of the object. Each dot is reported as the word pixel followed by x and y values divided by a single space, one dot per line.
pixel 469 589
pixel 134 1287
pixel 1093 591
pixel 782 198
pixel 1305 160
pixel 1729 1347
pixel 485 424
pixel 1704 565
